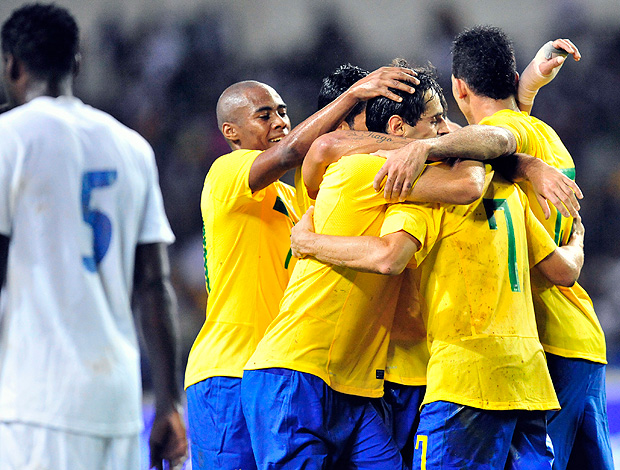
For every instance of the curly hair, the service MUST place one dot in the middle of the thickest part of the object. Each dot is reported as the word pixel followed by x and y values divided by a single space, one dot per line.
pixel 483 57
pixel 44 37
pixel 412 107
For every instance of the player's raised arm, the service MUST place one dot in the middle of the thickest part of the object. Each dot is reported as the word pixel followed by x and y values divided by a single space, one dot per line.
pixel 291 150
pixel 542 69
pixel 158 323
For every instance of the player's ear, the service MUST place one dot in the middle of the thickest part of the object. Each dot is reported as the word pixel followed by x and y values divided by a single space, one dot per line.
pixel 12 66
pixel 460 89
pixel 343 126
pixel 230 131
pixel 77 62
pixel 395 125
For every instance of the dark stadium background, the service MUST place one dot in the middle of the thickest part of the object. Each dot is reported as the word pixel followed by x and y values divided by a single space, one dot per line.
pixel 160 65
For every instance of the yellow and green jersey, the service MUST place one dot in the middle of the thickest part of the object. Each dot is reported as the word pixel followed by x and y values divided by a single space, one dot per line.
pixel 248 264
pixel 335 322
pixel 474 290
pixel 567 323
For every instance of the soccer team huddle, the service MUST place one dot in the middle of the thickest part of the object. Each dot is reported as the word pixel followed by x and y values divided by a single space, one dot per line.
pixel 432 318
pixel 412 303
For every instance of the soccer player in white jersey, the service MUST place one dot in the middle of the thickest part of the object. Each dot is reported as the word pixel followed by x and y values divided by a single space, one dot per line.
pixel 81 222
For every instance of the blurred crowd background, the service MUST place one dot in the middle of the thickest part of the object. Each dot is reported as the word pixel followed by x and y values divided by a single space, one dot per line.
pixel 159 67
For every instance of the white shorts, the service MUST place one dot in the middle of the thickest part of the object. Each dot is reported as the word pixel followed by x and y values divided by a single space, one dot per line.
pixel 30 447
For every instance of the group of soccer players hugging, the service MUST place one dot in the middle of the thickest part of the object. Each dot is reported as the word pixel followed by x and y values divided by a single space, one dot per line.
pixel 410 304
pixel 423 312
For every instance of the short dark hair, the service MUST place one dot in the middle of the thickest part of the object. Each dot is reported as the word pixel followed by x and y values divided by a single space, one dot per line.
pixel 336 83
pixel 483 57
pixel 44 37
pixel 412 107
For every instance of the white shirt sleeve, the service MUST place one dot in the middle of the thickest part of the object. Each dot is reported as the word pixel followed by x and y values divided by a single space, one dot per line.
pixel 155 226
pixel 8 161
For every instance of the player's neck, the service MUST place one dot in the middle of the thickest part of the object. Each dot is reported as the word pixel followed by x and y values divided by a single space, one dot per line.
pixel 52 88
pixel 482 107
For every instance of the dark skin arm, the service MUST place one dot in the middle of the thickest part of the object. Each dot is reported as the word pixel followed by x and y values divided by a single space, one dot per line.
pixel 291 150
pixel 4 256
pixel 157 321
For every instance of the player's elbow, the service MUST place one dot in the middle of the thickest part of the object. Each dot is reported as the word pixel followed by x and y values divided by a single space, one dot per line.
pixel 569 276
pixel 507 140
pixel 388 263
pixel 321 149
pixel 471 192
pixel 565 276
pixel 565 281
pixel 470 189
pixel 390 269
pixel 293 153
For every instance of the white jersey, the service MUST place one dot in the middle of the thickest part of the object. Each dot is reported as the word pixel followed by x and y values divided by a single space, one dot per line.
pixel 78 192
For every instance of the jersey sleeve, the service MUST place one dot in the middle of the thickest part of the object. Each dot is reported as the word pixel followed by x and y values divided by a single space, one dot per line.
pixel 420 221
pixel 155 226
pixel 515 126
pixel 9 148
pixel 303 199
pixel 230 178
pixel 540 244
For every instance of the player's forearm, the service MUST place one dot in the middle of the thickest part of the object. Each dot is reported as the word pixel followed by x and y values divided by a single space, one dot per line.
pixel 321 122
pixel 474 142
pixel 563 266
pixel 158 322
pixel 363 253
pixel 4 257
pixel 458 183
pixel 570 271
pixel 292 150
pixel 517 167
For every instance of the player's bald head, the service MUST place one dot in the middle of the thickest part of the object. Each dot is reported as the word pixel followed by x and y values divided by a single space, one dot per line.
pixel 236 98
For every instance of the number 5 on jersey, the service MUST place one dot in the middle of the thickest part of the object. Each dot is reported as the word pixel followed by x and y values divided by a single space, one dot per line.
pixel 100 223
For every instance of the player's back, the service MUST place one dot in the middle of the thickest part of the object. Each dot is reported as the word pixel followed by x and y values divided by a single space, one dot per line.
pixel 82 189
pixel 567 323
pixel 475 291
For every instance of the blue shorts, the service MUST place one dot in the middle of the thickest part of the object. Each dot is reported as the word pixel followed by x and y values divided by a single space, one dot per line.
pixel 218 434
pixel 296 421
pixel 580 430
pixel 452 436
pixel 400 409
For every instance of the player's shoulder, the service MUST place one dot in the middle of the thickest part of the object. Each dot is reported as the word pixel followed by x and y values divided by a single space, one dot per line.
pixel 232 162
pixel 108 123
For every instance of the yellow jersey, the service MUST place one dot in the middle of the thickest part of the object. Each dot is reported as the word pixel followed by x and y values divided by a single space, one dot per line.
pixel 335 322
pixel 408 350
pixel 248 263
pixel 567 323
pixel 474 284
